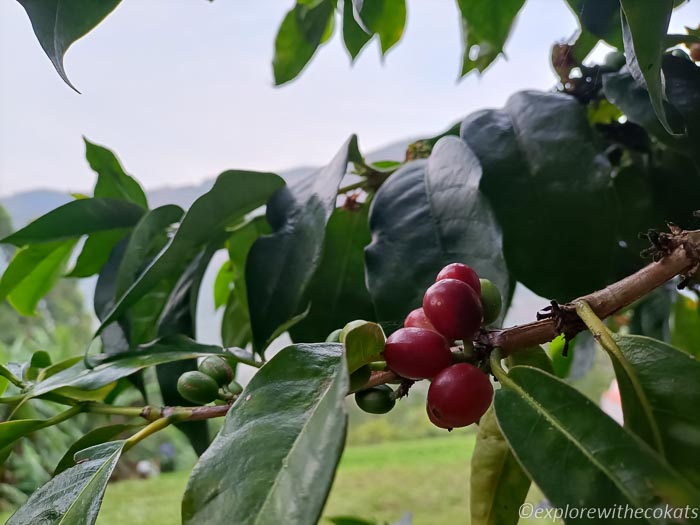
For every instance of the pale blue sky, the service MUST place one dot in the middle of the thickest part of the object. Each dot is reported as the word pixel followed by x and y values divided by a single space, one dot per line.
pixel 182 90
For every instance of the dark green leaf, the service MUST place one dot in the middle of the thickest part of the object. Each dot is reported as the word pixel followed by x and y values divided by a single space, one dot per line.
pixel 223 284
pixel 337 292
pixel 385 18
pixel 96 436
pixel 179 317
pixel 354 36
pixel 426 215
pixel 660 390
pixel 59 23
pixel 651 314
pixel 235 325
pixel 77 218
pixel 644 26
pixel 549 184
pixel 234 194
pixel 686 325
pixel 112 180
pixel 33 272
pixel 600 18
pixel 280 266
pixel 95 252
pixel 112 368
pixel 283 436
pixel 485 29
pixel 299 36
pixel 73 497
pixel 598 463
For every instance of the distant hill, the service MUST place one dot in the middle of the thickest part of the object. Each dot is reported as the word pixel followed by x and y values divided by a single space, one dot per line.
pixel 27 206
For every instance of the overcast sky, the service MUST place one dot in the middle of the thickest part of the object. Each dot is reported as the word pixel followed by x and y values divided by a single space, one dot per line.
pixel 182 90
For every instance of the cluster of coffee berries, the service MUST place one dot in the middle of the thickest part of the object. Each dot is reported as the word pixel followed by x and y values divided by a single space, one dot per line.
pixel 454 308
pixel 211 382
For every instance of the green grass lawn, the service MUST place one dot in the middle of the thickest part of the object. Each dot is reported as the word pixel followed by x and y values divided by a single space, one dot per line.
pixel 429 477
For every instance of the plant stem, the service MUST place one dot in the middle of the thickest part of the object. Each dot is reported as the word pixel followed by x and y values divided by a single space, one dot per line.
pixel 354 186
pixel 59 418
pixel 151 428
pixel 99 408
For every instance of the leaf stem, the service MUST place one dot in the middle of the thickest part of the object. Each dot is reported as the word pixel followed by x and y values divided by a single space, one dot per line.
pixel 63 416
pixel 497 368
pixel 100 408
pixel 151 428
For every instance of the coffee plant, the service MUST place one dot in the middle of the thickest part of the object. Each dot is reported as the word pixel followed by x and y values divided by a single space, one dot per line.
pixel 388 273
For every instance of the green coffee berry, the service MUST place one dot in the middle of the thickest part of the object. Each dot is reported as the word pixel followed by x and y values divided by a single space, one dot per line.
pixel 376 400
pixel 218 369
pixel 491 301
pixel 197 387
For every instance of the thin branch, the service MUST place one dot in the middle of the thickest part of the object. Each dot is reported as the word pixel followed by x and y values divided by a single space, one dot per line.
pixel 681 257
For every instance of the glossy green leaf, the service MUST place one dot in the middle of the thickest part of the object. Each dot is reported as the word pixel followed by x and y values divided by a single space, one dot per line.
pixel 354 37
pixel 36 275
pixel 363 344
pixel 660 391
pixel 112 180
pixel 235 325
pixel 279 267
pixel 644 26
pixel 96 436
pixel 112 368
pixel 600 18
pixel 73 497
pixel 234 194
pixel 148 238
pixel 301 33
pixel 59 23
pixel 548 181
pixel 686 325
pixel 498 484
pixel 385 18
pixel 434 205
pixel 485 29
pixel 77 218
pixel 337 292
pixel 598 463
pixel 283 436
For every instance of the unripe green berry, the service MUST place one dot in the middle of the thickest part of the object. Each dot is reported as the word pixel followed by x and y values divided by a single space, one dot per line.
pixel 197 387
pixel 218 369
pixel 376 400
pixel 334 336
pixel 491 301
pixel 359 377
pixel 235 388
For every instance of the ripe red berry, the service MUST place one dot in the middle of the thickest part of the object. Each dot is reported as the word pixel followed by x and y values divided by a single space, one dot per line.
pixel 417 353
pixel 454 308
pixel 459 396
pixel 418 319
pixel 461 272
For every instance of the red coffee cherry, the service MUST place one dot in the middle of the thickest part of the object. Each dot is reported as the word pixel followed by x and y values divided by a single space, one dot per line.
pixel 418 319
pixel 454 308
pixel 417 353
pixel 461 272
pixel 459 396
